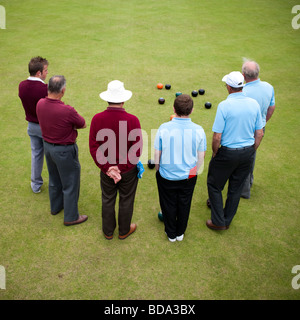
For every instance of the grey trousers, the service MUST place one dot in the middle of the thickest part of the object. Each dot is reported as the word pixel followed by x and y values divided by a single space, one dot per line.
pixel 37 155
pixel 64 179
pixel 127 188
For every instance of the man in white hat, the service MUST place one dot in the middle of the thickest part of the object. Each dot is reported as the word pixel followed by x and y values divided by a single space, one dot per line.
pixel 115 145
pixel 238 130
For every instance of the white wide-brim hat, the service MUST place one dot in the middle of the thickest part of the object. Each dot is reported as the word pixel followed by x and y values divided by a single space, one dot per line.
pixel 234 79
pixel 116 92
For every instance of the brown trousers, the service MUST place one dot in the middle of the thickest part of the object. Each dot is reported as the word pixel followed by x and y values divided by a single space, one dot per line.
pixel 127 189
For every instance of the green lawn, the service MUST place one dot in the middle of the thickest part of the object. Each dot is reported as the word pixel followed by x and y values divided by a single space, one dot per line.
pixel 190 44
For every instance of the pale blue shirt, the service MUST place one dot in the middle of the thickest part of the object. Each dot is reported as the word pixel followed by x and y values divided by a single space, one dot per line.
pixel 237 118
pixel 179 141
pixel 263 93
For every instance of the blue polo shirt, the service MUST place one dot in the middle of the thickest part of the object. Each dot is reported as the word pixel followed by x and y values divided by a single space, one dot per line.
pixel 237 118
pixel 179 140
pixel 263 93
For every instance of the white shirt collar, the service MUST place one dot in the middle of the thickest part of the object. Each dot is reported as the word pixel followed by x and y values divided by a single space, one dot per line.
pixel 35 79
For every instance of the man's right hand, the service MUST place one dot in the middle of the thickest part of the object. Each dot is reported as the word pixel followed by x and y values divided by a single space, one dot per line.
pixel 114 173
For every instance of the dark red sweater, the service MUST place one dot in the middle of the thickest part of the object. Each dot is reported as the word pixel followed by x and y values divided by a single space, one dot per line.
pixel 58 121
pixel 115 139
pixel 30 92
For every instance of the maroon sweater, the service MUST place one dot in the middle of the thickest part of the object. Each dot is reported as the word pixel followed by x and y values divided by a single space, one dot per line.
pixel 58 121
pixel 30 92
pixel 115 139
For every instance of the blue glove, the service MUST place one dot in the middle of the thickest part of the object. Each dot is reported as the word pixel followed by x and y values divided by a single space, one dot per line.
pixel 141 169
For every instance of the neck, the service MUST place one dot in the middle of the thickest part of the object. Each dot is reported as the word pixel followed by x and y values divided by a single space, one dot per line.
pixel 232 90
pixel 183 117
pixel 55 96
pixel 116 105
pixel 250 80
pixel 38 75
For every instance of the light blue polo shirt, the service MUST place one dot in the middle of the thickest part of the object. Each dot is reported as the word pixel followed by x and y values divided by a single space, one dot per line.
pixel 237 118
pixel 263 93
pixel 179 140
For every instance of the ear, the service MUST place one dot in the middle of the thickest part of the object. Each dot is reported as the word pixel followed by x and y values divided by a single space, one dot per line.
pixel 192 110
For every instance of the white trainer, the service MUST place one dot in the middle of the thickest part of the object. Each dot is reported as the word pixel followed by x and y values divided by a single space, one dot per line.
pixel 171 240
pixel 180 238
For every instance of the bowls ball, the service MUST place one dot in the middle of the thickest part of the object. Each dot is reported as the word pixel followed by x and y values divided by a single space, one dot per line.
pixel 207 105
pixel 161 100
pixel 178 94
pixel 160 216
pixel 151 164
pixel 160 86
pixel 201 91
pixel 194 93
pixel 168 86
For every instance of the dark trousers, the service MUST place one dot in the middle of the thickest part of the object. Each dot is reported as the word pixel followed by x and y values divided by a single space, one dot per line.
pixel 127 188
pixel 64 179
pixel 233 166
pixel 175 198
pixel 249 180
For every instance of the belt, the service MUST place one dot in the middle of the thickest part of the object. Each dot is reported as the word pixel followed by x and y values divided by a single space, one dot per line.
pixel 59 144
pixel 234 149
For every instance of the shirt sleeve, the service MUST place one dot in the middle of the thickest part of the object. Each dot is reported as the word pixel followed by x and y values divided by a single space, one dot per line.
pixel 272 102
pixel 202 145
pixel 138 137
pixel 135 140
pixel 259 122
pixel 76 119
pixel 157 141
pixel 219 122
pixel 94 145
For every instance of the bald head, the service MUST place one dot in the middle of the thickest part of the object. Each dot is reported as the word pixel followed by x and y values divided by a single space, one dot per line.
pixel 250 70
pixel 56 84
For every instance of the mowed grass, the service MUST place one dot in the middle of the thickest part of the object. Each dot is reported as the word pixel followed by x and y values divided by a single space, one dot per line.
pixel 189 44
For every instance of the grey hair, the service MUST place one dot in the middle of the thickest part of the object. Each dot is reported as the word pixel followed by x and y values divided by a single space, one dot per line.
pixel 250 69
pixel 56 84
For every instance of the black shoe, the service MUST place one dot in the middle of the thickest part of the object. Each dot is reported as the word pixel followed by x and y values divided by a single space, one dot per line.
pixel 212 226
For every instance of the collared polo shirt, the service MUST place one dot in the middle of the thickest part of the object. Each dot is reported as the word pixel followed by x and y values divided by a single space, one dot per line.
pixel 179 141
pixel 263 93
pixel 237 118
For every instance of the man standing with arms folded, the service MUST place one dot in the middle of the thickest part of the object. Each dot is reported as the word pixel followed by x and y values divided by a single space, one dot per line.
pixel 263 93
pixel 59 124
pixel 238 130
pixel 30 92
pixel 115 145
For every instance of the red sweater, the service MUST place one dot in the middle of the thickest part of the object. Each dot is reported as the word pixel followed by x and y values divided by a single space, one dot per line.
pixel 30 92
pixel 115 139
pixel 58 121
